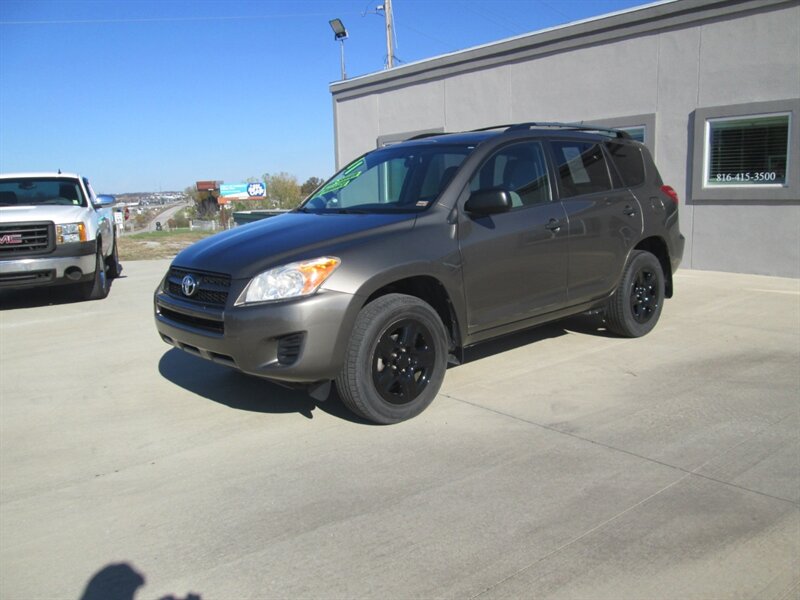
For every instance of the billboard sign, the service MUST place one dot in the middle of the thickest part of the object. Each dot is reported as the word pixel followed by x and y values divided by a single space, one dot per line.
pixel 206 186
pixel 243 191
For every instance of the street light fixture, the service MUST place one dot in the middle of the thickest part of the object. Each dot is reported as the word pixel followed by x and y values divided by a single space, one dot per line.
pixel 340 35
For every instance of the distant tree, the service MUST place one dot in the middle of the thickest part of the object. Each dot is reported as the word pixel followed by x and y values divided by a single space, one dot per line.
pixel 206 206
pixel 283 190
pixel 309 186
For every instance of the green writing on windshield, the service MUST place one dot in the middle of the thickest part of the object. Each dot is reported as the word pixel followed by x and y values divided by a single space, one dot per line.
pixel 353 167
pixel 347 176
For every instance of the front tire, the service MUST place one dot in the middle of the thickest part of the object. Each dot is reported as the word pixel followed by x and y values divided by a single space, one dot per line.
pixel 635 307
pixel 112 262
pixel 395 360
pixel 98 288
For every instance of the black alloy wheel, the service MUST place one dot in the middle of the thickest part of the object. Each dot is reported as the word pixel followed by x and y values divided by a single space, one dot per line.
pixel 635 306
pixel 395 360
pixel 644 295
pixel 403 361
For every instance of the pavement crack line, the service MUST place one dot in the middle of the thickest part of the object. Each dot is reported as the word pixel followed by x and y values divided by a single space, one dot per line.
pixel 692 472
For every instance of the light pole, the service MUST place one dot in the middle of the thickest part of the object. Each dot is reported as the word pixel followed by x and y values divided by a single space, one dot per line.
pixel 339 34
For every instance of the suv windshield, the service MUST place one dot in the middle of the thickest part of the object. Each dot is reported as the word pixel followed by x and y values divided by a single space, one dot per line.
pixel 27 191
pixel 403 178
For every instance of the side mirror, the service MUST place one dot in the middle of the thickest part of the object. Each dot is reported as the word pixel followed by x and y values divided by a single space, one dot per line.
pixel 104 201
pixel 488 202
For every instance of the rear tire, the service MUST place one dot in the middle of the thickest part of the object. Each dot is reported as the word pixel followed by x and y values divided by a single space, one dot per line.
pixel 635 307
pixel 395 360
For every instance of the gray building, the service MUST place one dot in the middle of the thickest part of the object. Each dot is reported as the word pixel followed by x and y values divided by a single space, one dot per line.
pixel 713 88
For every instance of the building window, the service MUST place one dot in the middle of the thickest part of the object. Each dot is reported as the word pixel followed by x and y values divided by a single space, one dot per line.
pixel 747 151
pixel 641 128
pixel 637 133
pixel 744 153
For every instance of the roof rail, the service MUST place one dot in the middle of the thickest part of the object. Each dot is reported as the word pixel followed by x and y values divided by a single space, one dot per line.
pixel 573 126
pixel 530 125
pixel 421 136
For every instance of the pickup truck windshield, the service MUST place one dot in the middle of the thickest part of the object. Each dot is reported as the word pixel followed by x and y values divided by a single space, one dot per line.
pixel 400 179
pixel 36 191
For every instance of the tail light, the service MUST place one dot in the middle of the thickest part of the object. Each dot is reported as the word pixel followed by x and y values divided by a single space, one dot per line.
pixel 673 195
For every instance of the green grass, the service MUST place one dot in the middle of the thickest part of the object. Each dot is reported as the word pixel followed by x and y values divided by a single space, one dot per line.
pixel 152 245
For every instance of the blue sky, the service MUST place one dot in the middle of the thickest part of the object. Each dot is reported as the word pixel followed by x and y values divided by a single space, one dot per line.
pixel 154 95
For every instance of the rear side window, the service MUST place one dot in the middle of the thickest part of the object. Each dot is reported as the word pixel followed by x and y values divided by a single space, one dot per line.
pixel 581 167
pixel 629 162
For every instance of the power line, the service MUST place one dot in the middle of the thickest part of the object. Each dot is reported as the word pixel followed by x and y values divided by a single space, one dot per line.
pixel 485 15
pixel 167 19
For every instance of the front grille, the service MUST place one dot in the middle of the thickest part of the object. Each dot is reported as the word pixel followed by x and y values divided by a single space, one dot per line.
pixel 25 239
pixel 289 347
pixel 212 288
pixel 198 322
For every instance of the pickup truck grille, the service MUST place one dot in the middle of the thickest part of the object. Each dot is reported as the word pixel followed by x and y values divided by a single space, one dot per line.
pixel 212 288
pixel 25 239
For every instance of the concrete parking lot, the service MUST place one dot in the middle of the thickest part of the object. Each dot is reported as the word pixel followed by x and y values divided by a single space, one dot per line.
pixel 560 463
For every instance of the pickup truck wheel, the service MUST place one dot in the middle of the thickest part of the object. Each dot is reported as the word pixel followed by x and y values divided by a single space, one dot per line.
pixel 395 360
pixel 112 262
pixel 97 289
pixel 636 305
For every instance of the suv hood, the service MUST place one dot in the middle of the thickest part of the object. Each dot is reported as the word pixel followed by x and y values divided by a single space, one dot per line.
pixel 43 212
pixel 248 250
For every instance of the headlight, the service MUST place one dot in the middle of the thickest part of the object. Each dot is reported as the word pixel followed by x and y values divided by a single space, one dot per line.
pixel 289 281
pixel 70 232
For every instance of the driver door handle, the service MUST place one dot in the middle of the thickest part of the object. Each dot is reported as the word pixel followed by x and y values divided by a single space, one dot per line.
pixel 553 225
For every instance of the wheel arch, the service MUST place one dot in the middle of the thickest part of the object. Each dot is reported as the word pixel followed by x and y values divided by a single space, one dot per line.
pixel 431 290
pixel 657 246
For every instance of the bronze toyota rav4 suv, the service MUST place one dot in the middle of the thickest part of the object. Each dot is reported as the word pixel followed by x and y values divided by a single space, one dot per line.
pixel 415 251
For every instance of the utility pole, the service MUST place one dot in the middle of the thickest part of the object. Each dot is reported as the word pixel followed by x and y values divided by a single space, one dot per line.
pixel 387 11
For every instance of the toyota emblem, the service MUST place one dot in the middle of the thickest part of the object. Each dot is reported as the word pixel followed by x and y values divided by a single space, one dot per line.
pixel 189 285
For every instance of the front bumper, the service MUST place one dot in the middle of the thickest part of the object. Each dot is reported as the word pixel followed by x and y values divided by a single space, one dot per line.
pixel 299 341
pixel 72 263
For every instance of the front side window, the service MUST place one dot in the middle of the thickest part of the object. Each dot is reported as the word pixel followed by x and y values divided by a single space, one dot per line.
pixel 581 168
pixel 393 179
pixel 520 169
pixel 29 191
pixel 747 151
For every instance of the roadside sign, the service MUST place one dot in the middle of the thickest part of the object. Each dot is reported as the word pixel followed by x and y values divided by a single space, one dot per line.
pixel 206 186
pixel 242 191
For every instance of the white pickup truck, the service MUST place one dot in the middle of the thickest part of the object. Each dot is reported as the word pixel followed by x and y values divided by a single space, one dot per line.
pixel 55 230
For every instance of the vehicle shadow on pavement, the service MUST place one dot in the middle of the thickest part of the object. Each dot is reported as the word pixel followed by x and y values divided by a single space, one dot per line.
pixel 243 392
pixel 42 296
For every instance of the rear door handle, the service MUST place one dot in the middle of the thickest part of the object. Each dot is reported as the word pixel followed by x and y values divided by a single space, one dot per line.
pixel 629 210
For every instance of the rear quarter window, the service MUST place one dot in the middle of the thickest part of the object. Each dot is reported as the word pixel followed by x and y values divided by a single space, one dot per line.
pixel 629 162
